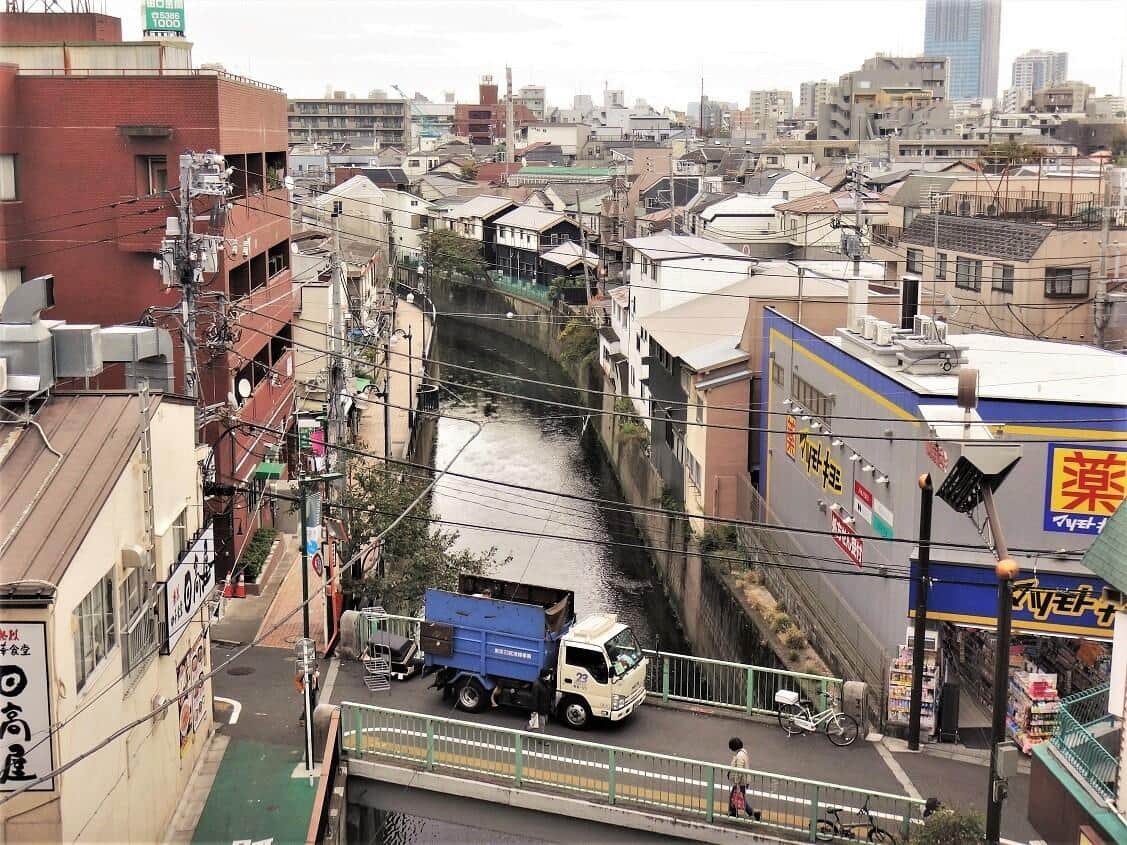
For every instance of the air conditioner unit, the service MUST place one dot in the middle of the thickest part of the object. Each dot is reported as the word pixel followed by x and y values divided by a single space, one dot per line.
pixel 858 324
pixel 940 331
pixel 3 375
pixel 922 325
pixel 134 557
pixel 883 333
pixel 869 327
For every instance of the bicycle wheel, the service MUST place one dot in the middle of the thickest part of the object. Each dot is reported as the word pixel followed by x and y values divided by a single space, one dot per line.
pixel 787 714
pixel 877 834
pixel 842 729
pixel 826 830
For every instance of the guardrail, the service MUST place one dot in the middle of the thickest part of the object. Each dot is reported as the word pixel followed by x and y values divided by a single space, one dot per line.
pixel 1078 743
pixel 614 775
pixel 680 677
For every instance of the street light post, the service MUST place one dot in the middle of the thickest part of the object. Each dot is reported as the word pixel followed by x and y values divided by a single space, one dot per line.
pixel 916 703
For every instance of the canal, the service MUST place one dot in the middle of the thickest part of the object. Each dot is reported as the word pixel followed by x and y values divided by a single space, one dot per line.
pixel 527 443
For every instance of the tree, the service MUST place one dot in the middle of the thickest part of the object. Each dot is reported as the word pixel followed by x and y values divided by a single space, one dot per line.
pixel 578 340
pixel 416 555
pixel 449 255
pixel 949 826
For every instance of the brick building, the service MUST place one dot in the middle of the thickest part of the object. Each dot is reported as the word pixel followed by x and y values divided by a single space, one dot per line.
pixel 88 168
pixel 484 123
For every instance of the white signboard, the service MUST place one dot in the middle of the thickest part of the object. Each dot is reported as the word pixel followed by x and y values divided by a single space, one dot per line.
pixel 189 586
pixel 25 707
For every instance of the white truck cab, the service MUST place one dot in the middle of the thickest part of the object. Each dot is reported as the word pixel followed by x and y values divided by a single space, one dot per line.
pixel 601 671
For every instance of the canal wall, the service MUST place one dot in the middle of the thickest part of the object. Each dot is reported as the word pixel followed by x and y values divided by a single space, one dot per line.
pixel 707 595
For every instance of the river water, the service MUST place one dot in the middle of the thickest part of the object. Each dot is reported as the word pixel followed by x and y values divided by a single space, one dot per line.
pixel 530 444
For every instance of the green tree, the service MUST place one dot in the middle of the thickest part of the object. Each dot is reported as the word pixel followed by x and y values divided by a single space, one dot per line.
pixel 449 255
pixel 416 555
pixel 949 826
pixel 578 339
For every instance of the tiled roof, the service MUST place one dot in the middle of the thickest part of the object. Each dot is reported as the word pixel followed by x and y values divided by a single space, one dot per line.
pixel 1107 556
pixel 978 236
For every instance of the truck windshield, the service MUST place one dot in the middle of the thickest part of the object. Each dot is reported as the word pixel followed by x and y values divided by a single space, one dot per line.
pixel 624 652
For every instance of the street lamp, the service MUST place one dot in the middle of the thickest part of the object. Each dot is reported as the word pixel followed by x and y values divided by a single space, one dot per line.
pixel 979 470
pixel 395 335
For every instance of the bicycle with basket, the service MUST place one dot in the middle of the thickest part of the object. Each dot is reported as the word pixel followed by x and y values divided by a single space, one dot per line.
pixel 796 715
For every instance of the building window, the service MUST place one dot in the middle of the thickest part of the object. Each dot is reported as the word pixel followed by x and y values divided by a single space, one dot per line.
pixel 1003 278
pixel 940 266
pixel 139 637
pixel 693 466
pixel 152 175
pixel 915 261
pixel 968 273
pixel 94 632
pixel 812 399
pixel 631 375
pixel 8 178
pixel 178 535
pixel 777 373
pixel 700 409
pixel 1066 281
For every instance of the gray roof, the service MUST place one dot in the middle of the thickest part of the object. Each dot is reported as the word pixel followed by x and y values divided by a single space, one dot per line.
pixel 1107 556
pixel 528 217
pixel 916 188
pixel 978 236
pixel 96 434
pixel 763 181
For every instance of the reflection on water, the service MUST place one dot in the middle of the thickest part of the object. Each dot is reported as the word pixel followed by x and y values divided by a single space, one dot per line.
pixel 392 828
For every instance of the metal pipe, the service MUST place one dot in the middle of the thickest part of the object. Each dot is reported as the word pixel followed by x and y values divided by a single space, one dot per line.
pixel 916 703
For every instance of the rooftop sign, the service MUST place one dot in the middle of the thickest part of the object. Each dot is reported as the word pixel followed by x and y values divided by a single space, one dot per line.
pixel 163 16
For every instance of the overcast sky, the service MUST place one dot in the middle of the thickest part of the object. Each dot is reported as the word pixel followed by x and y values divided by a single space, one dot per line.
pixel 652 49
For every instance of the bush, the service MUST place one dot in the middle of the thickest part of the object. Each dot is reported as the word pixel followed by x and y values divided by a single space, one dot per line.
pixel 950 826
pixel 717 537
pixel 794 639
pixel 256 552
pixel 781 622
pixel 578 339
pixel 629 424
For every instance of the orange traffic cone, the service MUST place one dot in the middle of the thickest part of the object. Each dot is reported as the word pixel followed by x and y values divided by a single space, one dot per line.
pixel 240 588
pixel 228 588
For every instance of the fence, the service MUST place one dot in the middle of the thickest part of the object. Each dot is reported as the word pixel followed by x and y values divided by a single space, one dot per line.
pixel 678 677
pixel 655 783
pixel 1081 715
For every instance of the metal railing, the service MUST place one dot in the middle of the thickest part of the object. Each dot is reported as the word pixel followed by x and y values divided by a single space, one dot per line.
pixel 679 677
pixel 148 71
pixel 1081 716
pixel 659 784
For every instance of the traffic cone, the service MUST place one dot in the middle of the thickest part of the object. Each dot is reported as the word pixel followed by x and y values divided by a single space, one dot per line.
pixel 228 588
pixel 240 588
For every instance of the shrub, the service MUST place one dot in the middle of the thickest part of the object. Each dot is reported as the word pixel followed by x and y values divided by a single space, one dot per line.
pixel 950 826
pixel 717 537
pixel 781 622
pixel 794 639
pixel 578 339
pixel 256 551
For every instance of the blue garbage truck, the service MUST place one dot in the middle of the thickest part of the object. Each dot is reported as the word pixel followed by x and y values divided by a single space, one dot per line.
pixel 489 641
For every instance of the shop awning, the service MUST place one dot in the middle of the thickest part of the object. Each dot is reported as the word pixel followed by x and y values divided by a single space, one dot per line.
pixel 267 470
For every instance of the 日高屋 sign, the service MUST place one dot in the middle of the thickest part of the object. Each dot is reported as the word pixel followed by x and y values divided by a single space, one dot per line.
pixel 25 708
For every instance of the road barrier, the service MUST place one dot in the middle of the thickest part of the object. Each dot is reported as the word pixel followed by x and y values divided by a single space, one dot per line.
pixel 641 780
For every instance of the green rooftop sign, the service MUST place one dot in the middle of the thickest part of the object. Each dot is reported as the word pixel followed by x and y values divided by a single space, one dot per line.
pixel 164 16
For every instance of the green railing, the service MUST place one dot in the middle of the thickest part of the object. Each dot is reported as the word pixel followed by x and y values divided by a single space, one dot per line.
pixel 655 783
pixel 1081 716
pixel 521 287
pixel 692 680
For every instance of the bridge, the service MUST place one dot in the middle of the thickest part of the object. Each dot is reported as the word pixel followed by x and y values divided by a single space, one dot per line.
pixel 664 771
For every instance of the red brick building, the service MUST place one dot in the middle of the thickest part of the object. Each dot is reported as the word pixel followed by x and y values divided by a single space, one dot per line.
pixel 90 162
pixel 484 123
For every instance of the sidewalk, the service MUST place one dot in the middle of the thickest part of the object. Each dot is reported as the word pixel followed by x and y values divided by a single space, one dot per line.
pixel 409 318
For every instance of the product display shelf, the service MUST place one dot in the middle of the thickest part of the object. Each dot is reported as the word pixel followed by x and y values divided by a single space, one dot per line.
pixel 900 684
pixel 1034 708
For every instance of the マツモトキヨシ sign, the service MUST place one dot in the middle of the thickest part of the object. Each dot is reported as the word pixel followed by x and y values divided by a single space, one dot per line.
pixel 1083 487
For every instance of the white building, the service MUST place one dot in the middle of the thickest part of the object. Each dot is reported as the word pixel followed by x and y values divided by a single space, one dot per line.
pixel 1037 69
pixel 533 98
pixel 102 604
pixel 663 271
pixel 811 96
pixel 771 105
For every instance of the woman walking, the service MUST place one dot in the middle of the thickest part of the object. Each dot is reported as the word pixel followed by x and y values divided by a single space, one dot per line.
pixel 740 780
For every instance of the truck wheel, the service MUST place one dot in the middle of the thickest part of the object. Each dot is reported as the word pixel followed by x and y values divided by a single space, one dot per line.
pixel 471 696
pixel 576 713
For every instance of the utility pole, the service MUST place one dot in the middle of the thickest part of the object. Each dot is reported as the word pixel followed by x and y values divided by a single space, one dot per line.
pixel 386 400
pixel 583 248
pixel 1102 308
pixel 915 704
pixel 510 143
pixel 336 387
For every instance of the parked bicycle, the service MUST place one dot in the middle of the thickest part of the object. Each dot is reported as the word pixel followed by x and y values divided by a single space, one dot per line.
pixel 834 828
pixel 796 714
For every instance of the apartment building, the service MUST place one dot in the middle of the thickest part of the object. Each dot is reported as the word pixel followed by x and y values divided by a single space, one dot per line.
pixel 485 121
pixel 812 96
pixel 97 152
pixel 883 83
pixel 771 106
pixel 967 32
pixel 1037 69
pixel 534 98
pixel 343 119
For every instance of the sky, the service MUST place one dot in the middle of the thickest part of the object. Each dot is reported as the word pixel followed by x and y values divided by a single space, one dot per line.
pixel 652 49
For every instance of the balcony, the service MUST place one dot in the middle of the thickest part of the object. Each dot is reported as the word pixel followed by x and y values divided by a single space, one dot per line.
pixel 1065 211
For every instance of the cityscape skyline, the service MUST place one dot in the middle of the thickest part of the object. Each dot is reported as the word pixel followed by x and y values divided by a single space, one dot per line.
pixel 431 55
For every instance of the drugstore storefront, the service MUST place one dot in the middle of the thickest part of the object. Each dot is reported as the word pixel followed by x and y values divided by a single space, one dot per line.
pixel 1062 631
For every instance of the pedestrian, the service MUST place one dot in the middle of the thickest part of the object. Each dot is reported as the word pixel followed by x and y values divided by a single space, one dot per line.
pixel 737 798
pixel 542 694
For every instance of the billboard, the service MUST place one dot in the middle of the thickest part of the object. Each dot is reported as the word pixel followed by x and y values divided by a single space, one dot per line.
pixel 26 753
pixel 1083 487
pixel 163 16
pixel 189 586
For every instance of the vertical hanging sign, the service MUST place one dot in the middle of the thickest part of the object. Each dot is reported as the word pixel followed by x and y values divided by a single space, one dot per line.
pixel 25 708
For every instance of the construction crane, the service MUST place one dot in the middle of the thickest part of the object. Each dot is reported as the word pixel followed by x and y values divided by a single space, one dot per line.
pixel 427 128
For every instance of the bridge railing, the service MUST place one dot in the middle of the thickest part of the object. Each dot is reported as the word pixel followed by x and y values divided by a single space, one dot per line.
pixel 647 781
pixel 683 677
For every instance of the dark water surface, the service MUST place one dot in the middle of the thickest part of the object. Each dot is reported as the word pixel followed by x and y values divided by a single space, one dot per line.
pixel 535 445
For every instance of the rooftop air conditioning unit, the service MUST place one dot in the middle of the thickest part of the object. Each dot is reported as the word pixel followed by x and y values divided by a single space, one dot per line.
pixel 869 327
pixel 883 333
pixel 922 325
pixel 3 375
pixel 858 324
pixel 940 331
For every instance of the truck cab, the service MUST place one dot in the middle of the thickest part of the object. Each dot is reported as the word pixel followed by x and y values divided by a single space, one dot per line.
pixel 601 672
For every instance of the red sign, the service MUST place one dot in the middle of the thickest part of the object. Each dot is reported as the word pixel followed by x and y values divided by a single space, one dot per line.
pixel 862 493
pixel 318 563
pixel 846 539
pixel 792 440
pixel 938 455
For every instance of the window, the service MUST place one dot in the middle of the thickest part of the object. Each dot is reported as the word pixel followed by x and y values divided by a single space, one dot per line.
pixel 178 535
pixel 94 632
pixel 631 375
pixel 8 178
pixel 1066 281
pixel 776 373
pixel 153 176
pixel 940 266
pixel 139 637
pixel 588 660
pixel 1003 278
pixel 915 261
pixel 812 399
pixel 700 409
pixel 786 195
pixel 693 467
pixel 968 273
